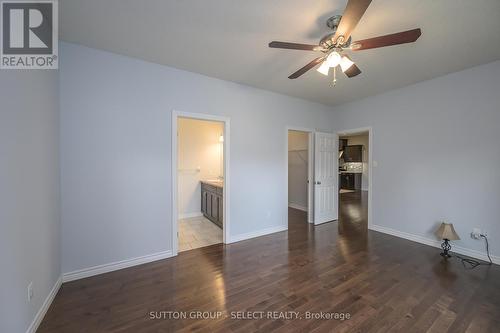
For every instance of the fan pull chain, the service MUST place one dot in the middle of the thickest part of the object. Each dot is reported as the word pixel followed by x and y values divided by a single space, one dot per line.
pixel 334 76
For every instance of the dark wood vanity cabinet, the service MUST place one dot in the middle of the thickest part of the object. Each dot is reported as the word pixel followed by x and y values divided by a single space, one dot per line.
pixel 212 203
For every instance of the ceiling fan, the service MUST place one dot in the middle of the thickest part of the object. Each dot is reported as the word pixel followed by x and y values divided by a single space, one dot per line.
pixel 334 45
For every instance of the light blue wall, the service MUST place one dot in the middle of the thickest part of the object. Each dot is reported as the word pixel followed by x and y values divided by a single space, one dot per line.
pixel 437 144
pixel 29 193
pixel 116 152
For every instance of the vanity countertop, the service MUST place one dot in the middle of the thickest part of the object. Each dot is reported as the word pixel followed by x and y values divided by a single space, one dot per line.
pixel 213 182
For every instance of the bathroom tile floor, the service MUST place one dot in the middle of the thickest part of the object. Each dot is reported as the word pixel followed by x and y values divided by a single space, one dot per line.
pixel 198 232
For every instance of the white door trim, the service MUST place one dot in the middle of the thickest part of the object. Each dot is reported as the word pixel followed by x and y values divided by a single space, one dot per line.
pixel 226 197
pixel 310 170
pixel 355 131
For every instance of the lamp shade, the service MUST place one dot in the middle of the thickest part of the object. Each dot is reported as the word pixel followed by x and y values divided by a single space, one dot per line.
pixel 446 231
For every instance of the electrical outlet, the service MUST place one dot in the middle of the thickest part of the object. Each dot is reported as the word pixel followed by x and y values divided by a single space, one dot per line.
pixel 30 291
pixel 476 233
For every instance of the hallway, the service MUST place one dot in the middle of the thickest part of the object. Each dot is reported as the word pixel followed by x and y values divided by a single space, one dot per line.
pixel 353 212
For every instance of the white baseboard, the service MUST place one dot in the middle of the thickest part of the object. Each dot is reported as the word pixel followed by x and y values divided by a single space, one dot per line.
pixel 435 243
pixel 45 306
pixel 114 266
pixel 297 206
pixel 258 233
pixel 190 215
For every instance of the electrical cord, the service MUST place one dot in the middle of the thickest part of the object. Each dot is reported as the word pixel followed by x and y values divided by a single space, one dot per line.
pixel 474 263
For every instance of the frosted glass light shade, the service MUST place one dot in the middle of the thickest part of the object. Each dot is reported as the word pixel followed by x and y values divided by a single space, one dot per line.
pixel 345 63
pixel 333 59
pixel 324 68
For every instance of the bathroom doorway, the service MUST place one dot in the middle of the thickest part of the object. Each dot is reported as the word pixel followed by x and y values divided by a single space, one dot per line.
pixel 199 179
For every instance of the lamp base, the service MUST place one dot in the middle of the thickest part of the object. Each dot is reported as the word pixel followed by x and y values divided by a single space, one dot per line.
pixel 446 249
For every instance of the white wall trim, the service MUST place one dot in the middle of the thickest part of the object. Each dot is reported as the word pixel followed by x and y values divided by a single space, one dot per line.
pixel 258 233
pixel 45 306
pixel 114 266
pixel 190 215
pixel 87 272
pixel 435 243
pixel 297 206
pixel 226 197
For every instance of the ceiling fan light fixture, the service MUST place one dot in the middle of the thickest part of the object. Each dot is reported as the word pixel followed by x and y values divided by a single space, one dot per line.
pixel 324 68
pixel 335 43
pixel 333 59
pixel 345 63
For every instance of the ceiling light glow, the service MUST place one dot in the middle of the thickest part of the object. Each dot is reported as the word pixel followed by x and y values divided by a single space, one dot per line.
pixel 333 59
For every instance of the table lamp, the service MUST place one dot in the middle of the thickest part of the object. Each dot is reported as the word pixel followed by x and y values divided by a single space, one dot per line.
pixel 446 232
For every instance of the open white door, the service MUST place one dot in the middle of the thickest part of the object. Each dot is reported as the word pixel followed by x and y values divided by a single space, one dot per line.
pixel 325 177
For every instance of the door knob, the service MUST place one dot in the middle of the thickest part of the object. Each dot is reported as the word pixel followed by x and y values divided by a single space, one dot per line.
pixel 318 183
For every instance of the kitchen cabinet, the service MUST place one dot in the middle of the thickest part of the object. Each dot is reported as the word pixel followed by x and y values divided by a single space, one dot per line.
pixel 353 153
pixel 342 144
pixel 350 181
pixel 212 202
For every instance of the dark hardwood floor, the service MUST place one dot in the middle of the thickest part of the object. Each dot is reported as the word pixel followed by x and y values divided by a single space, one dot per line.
pixel 384 283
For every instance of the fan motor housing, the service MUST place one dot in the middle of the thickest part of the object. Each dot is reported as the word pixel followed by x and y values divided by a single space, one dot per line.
pixel 333 22
pixel 327 41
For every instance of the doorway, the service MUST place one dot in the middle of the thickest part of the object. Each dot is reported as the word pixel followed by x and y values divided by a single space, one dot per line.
pixel 321 182
pixel 200 181
pixel 299 143
pixel 354 160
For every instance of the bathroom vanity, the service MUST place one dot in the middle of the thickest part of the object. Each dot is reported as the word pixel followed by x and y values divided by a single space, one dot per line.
pixel 212 201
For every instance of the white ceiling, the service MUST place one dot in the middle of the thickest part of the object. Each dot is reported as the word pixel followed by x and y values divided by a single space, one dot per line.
pixel 228 39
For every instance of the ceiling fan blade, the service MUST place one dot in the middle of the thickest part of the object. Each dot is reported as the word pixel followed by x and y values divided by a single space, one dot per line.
pixel 393 39
pixel 307 67
pixel 352 71
pixel 294 46
pixel 352 14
